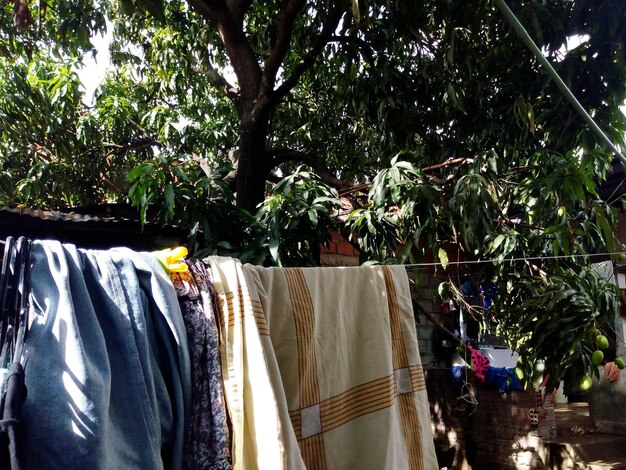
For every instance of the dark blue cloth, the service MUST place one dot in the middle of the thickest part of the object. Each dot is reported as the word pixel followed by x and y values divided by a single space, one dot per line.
pixel 457 374
pixel 106 362
pixel 489 290
pixel 505 378
pixel 469 288
pixel 457 377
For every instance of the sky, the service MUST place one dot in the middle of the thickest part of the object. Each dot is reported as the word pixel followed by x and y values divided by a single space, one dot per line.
pixel 94 70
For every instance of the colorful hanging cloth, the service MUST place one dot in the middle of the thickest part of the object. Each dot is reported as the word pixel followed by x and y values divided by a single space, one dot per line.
pixel 207 443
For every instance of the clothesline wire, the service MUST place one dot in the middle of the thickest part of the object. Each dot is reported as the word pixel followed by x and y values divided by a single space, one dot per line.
pixel 497 260
pixel 510 260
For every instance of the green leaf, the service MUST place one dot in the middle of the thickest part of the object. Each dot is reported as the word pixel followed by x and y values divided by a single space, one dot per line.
pixel 273 247
pixel 443 257
pixel 405 250
pixel 169 200
pixel 497 242
pixel 552 229
pixel 443 290
pixel 139 171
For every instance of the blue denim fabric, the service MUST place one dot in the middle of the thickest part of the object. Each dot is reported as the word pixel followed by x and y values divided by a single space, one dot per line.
pixel 106 362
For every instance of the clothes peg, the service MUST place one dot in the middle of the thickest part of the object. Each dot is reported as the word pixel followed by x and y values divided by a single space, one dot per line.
pixel 172 259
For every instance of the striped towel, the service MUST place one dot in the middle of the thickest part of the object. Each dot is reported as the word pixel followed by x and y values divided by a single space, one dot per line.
pixel 349 375
pixel 262 435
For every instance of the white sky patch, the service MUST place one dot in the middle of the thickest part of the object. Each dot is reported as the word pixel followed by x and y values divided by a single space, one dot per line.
pixel 575 41
pixel 94 69
pixel 572 42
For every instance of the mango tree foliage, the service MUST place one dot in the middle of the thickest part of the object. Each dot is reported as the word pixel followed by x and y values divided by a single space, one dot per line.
pixel 269 86
pixel 211 102
pixel 534 224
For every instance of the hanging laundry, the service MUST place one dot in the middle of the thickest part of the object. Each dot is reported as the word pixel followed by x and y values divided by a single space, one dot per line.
pixel 106 362
pixel 13 319
pixel 262 434
pixel 480 364
pixel 505 378
pixel 207 443
pixel 489 292
pixel 318 368
pixel 350 371
pixel 14 397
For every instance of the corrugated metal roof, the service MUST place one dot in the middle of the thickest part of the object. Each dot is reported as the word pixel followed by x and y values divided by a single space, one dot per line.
pixel 121 228
pixel 60 216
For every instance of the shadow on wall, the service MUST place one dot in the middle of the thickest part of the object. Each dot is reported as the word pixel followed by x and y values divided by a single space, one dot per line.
pixel 451 420
pixel 490 430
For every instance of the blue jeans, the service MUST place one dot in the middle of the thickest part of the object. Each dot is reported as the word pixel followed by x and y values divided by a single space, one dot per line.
pixel 106 362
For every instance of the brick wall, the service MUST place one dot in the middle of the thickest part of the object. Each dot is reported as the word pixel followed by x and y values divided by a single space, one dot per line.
pixel 424 291
pixel 497 433
pixel 450 423
pixel 338 251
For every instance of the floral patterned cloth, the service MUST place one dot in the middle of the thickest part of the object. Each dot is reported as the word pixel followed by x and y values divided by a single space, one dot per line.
pixel 207 443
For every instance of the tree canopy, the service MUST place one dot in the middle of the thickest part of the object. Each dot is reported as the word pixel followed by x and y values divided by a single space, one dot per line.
pixel 430 118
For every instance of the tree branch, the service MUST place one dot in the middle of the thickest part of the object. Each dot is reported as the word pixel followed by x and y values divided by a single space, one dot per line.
pixel 239 8
pixel 202 163
pixel 459 161
pixel 456 161
pixel 240 52
pixel 435 321
pixel 329 27
pixel 288 14
pixel 278 157
pixel 141 143
pixel 356 188
pixel 215 78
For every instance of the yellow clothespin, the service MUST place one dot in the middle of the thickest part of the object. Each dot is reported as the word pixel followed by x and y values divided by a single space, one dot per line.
pixel 172 259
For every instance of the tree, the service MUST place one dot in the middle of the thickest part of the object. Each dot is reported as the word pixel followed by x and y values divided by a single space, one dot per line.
pixel 342 87
pixel 433 79
pixel 529 229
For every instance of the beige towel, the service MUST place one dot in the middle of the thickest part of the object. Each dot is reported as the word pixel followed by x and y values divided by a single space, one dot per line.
pixel 262 434
pixel 345 343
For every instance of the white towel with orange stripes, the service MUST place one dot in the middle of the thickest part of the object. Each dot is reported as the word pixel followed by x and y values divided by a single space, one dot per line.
pixel 262 435
pixel 342 378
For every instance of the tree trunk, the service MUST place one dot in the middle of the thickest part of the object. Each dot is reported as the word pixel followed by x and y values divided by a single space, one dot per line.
pixel 252 167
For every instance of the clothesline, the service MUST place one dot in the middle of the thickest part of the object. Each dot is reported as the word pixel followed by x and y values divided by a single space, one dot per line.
pixel 504 260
